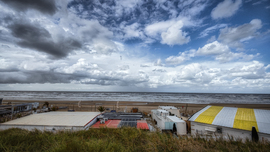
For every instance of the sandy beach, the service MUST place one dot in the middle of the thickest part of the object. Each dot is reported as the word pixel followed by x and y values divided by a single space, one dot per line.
pixel 142 106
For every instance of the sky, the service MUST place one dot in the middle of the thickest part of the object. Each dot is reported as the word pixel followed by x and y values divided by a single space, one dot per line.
pixel 198 46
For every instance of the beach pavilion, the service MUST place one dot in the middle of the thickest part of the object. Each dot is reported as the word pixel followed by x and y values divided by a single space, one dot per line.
pixel 53 121
pixel 237 122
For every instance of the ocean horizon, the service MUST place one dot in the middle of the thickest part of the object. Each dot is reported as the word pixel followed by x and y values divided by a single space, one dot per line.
pixel 170 97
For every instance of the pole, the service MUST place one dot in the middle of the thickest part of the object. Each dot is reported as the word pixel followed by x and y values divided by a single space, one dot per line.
pixel 12 109
pixel 186 108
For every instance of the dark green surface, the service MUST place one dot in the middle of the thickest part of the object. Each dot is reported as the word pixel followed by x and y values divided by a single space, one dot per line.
pixel 123 139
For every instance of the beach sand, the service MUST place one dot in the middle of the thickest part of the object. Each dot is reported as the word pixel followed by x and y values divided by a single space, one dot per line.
pixel 142 106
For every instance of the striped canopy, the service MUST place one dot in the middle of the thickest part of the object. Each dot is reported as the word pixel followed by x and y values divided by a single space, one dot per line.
pixel 239 118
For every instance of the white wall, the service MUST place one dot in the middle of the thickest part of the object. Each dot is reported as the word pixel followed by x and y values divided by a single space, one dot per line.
pixel 236 133
pixel 176 112
pixel 181 128
pixel 43 128
pixel 160 122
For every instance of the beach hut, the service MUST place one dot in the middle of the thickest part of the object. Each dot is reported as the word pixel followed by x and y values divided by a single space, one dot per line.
pixel 171 109
pixel 166 122
pixel 236 122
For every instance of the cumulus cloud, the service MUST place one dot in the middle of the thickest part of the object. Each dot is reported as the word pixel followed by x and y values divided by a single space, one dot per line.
pixel 174 35
pixel 222 52
pixel 123 67
pixel 159 70
pixel 226 9
pixel 214 48
pixel 175 59
pixel 38 38
pixel 47 6
pixel 89 42
pixel 158 63
pixel 145 65
pixel 157 28
pixel 219 51
pixel 132 31
pixel 82 66
pixel 58 38
pixel 253 70
pixel 170 31
pixel 183 56
pixel 190 71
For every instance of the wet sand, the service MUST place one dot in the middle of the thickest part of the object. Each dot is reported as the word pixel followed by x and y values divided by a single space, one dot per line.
pixel 142 106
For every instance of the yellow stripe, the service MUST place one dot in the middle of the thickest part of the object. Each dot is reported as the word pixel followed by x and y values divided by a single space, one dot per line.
pixel 245 119
pixel 209 115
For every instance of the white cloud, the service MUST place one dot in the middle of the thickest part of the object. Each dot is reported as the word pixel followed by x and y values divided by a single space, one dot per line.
pixel 211 39
pixel 253 70
pixel 174 35
pixel 34 65
pixel 183 56
pixel 192 7
pixel 7 64
pixel 81 66
pixel 145 65
pixel 214 48
pixel 235 36
pixel 190 71
pixel 230 56
pixel 157 28
pixel 132 31
pixel 170 31
pixel 219 51
pixel 106 61
pixel 158 63
pixel 90 69
pixel 222 53
pixel 175 59
pixel 226 9
pixel 123 67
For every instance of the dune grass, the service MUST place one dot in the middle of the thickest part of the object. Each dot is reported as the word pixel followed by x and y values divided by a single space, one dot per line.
pixel 122 139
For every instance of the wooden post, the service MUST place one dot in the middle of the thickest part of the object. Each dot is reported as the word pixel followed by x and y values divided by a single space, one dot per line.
pixel 12 109
pixel 186 108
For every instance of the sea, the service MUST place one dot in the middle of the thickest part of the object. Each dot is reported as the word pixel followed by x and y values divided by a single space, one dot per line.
pixel 198 98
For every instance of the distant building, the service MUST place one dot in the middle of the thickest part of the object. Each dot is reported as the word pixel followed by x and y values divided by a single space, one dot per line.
pixel 165 121
pixel 173 110
pixel 13 109
pixel 120 119
pixel 236 122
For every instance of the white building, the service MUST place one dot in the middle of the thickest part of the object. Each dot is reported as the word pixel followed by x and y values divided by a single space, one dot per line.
pixel 53 121
pixel 236 122
pixel 171 109
pixel 166 122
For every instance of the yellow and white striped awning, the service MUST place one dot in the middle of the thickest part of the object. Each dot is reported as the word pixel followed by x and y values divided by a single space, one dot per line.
pixel 239 118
